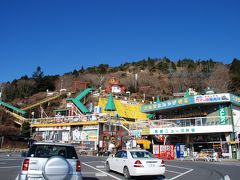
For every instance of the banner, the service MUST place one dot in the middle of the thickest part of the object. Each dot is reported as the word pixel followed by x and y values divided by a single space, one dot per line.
pixel 212 98
pixel 222 113
pixel 164 151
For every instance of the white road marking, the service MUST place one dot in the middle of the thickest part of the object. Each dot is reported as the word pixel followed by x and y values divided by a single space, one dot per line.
pixel 179 167
pixel 226 177
pixel 9 167
pixel 181 174
pixel 87 173
pixel 176 172
pixel 94 161
pixel 102 171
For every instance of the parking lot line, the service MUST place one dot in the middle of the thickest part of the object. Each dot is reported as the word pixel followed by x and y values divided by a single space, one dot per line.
pixel 94 161
pixel 176 172
pixel 101 171
pixel 179 167
pixel 181 174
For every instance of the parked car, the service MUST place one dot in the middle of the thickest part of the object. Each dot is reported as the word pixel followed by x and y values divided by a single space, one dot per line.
pixel 135 162
pixel 51 161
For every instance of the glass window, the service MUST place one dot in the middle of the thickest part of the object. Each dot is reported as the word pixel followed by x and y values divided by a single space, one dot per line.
pixel 142 154
pixel 118 154
pixel 124 154
pixel 47 151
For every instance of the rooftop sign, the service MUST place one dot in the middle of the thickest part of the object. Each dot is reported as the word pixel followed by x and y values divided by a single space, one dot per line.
pixel 212 98
pixel 192 129
pixel 168 104
pixel 235 99
pixel 190 100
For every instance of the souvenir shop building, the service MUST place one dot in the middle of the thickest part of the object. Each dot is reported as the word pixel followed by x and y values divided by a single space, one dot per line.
pixel 199 122
pixel 86 136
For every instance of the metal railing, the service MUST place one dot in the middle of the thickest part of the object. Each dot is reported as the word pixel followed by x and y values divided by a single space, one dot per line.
pixel 138 124
pixel 194 121
pixel 63 119
pixel 182 122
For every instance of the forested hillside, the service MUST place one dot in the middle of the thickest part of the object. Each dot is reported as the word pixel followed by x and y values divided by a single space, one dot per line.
pixel 162 77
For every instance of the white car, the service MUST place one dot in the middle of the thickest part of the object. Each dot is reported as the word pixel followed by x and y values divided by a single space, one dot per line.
pixel 135 162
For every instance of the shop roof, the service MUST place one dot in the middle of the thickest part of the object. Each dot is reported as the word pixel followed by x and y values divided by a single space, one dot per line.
pixel 110 104
pixel 191 101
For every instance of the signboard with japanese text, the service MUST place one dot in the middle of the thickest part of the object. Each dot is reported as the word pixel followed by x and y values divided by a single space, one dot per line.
pixel 55 128
pixel 235 99
pixel 212 98
pixel 192 129
pixel 168 104
pixel 197 99
pixel 88 127
pixel 223 114
pixel 84 135
pixel 164 151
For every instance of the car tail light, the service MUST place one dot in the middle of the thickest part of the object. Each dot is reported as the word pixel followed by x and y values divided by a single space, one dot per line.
pixel 78 166
pixel 162 163
pixel 25 165
pixel 138 164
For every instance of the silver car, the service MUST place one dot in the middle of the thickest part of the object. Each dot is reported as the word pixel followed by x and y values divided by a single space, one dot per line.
pixel 50 161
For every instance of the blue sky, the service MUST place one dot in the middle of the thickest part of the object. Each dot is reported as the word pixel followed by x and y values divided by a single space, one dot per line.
pixel 60 36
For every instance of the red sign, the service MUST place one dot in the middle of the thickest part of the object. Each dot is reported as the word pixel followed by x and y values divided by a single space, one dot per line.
pixel 164 151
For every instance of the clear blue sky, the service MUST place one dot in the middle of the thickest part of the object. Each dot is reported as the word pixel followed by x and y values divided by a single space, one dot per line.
pixel 60 36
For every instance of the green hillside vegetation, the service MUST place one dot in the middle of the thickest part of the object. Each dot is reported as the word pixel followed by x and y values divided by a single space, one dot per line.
pixel 163 76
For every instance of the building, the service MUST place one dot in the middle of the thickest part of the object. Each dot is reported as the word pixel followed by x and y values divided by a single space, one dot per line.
pixel 199 122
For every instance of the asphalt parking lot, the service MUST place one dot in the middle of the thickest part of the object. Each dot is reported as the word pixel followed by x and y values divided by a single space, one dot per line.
pixel 93 169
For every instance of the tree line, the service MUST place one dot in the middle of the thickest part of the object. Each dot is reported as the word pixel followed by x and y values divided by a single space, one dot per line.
pixel 163 76
pixel 27 86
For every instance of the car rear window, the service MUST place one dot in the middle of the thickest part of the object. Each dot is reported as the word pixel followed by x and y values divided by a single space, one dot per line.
pixel 141 154
pixel 46 151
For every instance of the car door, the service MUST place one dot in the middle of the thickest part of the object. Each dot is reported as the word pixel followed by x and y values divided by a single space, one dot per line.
pixel 114 161
pixel 122 161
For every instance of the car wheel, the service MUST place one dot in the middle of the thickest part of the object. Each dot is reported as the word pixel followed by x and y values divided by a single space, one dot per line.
pixel 126 173
pixel 107 167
